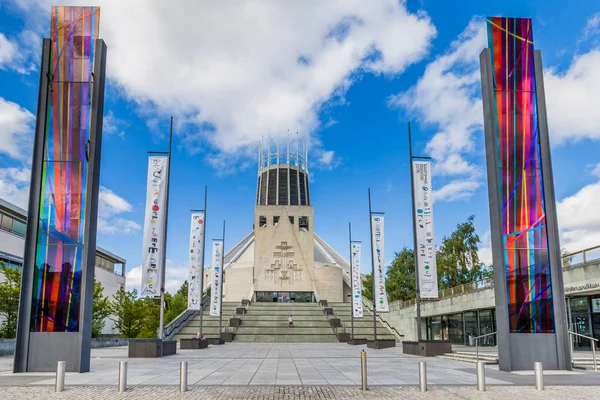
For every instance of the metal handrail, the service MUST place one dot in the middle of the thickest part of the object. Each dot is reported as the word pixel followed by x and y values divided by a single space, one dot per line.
pixel 476 338
pixel 399 336
pixel 593 347
pixel 582 252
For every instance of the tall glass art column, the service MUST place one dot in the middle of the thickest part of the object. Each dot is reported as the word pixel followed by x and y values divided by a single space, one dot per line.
pixel 55 309
pixel 527 268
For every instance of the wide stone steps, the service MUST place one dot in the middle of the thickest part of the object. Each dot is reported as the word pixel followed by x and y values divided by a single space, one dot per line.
pixel 470 357
pixel 268 322
pixel 363 327
pixel 210 324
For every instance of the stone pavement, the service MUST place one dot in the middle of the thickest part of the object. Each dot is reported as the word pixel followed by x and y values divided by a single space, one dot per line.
pixel 282 364
pixel 303 393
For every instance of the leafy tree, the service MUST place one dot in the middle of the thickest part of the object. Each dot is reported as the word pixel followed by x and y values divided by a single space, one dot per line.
pixel 458 258
pixel 400 276
pixel 150 316
pixel 367 287
pixel 177 303
pixel 101 309
pixel 9 300
pixel 128 313
pixel 566 261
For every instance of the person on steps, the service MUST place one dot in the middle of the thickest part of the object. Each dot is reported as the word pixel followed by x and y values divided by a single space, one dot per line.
pixel 291 321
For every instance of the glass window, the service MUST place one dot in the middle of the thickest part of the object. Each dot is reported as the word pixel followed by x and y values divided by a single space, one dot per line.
pixel 262 221
pixel 303 222
pixel 487 324
pixel 292 220
pixel 471 328
pixel 579 304
pixel 275 219
pixel 455 329
pixel 437 331
pixel 7 223
pixel 19 228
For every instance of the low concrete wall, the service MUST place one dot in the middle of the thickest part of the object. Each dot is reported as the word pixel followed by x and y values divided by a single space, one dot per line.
pixel 7 346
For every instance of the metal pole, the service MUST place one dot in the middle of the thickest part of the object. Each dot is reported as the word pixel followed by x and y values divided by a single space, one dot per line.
pixel 161 325
pixel 363 369
pixel 122 387
pixel 372 271
pixel 415 251
pixel 594 354
pixel 60 376
pixel 423 376
pixel 481 376
pixel 183 377
pixel 351 282
pixel 202 266
pixel 477 349
pixel 221 294
pixel 539 375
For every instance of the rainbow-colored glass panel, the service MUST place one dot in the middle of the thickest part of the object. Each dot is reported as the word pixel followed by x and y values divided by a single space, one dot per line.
pixel 521 184
pixel 60 238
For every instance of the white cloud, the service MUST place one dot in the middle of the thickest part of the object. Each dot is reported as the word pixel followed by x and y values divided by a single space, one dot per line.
pixel 16 130
pixel 15 54
pixel 113 125
pixel 579 218
pixel 592 27
pixel 595 171
pixel 326 160
pixel 175 276
pixel 8 51
pixel 571 98
pixel 110 206
pixel 457 190
pixel 14 185
pixel 485 251
pixel 233 72
pixel 446 96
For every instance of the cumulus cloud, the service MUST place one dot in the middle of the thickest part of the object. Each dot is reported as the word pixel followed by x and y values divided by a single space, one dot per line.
pixel 231 72
pixel 457 190
pixel 111 125
pixel 15 54
pixel 14 185
pixel 579 218
pixel 16 130
pixel 175 276
pixel 110 207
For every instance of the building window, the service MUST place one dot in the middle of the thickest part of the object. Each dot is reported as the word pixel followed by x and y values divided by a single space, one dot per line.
pixel 292 220
pixel 19 228
pixel 6 223
pixel 275 220
pixel 262 221
pixel 303 222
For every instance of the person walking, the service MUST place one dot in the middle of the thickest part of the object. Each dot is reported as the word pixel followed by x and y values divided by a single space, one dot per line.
pixel 291 321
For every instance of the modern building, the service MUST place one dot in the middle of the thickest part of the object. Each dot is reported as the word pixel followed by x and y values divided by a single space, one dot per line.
pixel 283 259
pixel 464 312
pixel 110 268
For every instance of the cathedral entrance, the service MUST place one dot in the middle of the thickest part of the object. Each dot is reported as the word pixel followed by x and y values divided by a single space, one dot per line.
pixel 284 297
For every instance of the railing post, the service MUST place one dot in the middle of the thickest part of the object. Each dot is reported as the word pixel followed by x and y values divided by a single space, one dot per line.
pixel 60 376
pixel 477 349
pixel 594 354
pixel 539 375
pixel 423 376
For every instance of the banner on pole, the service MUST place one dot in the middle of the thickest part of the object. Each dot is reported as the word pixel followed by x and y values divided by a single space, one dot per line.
pixel 216 290
pixel 196 261
pixel 380 295
pixel 154 225
pixel 423 219
pixel 357 306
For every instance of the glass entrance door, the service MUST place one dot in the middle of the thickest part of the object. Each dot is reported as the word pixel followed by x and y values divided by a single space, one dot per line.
pixel 582 326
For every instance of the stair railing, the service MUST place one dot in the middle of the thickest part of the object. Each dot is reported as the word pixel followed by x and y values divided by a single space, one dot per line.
pixel 369 305
pixel 175 326
pixel 476 338
pixel 594 340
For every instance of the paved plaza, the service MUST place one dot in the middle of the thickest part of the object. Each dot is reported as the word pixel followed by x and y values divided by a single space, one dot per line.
pixel 290 371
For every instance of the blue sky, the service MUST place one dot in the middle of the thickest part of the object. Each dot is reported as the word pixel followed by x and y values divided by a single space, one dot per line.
pixel 348 75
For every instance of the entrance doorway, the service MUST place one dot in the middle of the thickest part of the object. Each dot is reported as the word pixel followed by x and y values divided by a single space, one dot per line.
pixel 284 297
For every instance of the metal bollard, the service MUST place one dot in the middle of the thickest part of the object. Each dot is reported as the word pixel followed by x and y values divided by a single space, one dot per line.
pixel 423 376
pixel 122 387
pixel 183 377
pixel 481 376
pixel 539 375
pixel 363 369
pixel 60 376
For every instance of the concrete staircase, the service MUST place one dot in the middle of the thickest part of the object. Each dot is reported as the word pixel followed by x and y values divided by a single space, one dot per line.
pixel 363 327
pixel 210 325
pixel 268 322
pixel 470 357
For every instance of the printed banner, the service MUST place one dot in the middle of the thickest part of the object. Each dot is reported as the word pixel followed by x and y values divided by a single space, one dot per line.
pixel 423 217
pixel 154 225
pixel 357 306
pixel 380 294
pixel 196 261
pixel 216 290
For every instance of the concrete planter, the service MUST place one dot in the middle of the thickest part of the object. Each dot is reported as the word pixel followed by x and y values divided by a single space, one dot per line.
pixel 227 336
pixel 193 344
pixel 151 348
pixel 240 310
pixel 323 303
pixel 357 341
pixel 381 344
pixel 343 337
pixel 215 341
pixel 427 348
pixel 245 302
pixel 235 322
pixel 328 311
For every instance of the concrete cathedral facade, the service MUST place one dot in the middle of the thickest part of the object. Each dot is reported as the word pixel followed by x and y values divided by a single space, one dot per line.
pixel 283 259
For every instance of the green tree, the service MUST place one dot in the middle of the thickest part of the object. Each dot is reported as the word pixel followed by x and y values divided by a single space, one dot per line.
pixel 458 258
pixel 101 309
pixel 367 287
pixel 567 261
pixel 150 316
pixel 9 300
pixel 177 303
pixel 128 313
pixel 400 276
